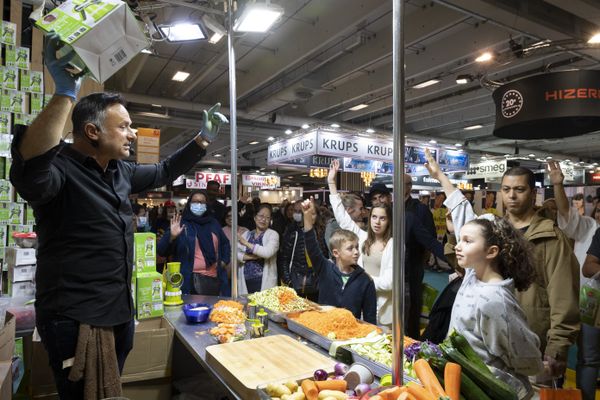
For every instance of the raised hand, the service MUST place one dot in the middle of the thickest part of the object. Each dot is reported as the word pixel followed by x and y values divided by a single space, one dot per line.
pixel 333 170
pixel 211 122
pixel 66 84
pixel 555 173
pixel 310 213
pixel 176 227
pixel 432 166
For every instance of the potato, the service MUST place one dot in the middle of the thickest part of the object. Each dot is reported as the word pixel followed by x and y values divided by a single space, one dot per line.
pixel 293 386
pixel 335 394
pixel 274 390
pixel 295 396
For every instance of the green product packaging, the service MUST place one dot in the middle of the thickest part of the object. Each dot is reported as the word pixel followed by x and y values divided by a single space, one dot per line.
pixel 24 119
pixel 17 101
pixel 33 82
pixel 144 252
pixel 3 167
pixel 3 213
pixel 10 58
pixel 47 98
pixel 17 57
pixel 36 103
pixel 149 295
pixel 29 217
pixel 7 165
pixel 10 241
pixel 9 33
pixel 18 198
pixel 16 213
pixel 10 78
pixel 6 191
pixel 5 126
pixel 429 295
pixel 589 301
pixel 3 235
pixel 117 39
pixel 5 141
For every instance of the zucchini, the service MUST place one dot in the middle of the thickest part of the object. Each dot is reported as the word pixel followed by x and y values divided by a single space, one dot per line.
pixel 461 344
pixel 495 388
pixel 468 389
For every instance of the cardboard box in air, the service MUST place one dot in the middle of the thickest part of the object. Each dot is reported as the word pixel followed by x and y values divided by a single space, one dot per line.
pixel 117 36
pixel 149 295
pixel 19 256
pixel 151 355
pixel 144 252
pixel 6 380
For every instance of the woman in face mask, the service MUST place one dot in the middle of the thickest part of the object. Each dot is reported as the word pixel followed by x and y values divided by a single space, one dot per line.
pixel 141 220
pixel 197 240
pixel 257 250
pixel 295 267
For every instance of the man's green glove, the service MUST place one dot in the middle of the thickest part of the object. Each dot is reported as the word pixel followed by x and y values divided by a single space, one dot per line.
pixel 212 120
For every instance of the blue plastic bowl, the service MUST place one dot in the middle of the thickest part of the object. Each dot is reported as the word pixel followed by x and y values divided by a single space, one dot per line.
pixel 196 313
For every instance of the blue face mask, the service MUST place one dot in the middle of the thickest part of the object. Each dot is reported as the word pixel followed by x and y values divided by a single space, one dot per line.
pixel 198 209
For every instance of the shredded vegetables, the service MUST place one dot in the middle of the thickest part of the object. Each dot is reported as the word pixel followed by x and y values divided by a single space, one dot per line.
pixel 229 303
pixel 338 324
pixel 280 299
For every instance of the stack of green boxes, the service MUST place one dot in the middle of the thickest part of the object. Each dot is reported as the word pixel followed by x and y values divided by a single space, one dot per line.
pixel 148 283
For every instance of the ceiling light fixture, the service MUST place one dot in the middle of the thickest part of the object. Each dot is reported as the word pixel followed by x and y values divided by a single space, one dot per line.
pixel 147 51
pixel 254 142
pixel 370 130
pixel 305 126
pixel 432 141
pixel 183 32
pixel 458 144
pixel 217 155
pixel 156 105
pixel 218 29
pixel 463 79
pixel 258 17
pixel 335 126
pixel 426 84
pixel 180 76
pixel 288 131
pixel 358 107
pixel 472 127
pixel 270 138
pixel 595 39
pixel 531 155
pixel 484 57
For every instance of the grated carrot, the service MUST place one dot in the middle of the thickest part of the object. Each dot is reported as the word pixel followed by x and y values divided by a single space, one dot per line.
pixel 338 322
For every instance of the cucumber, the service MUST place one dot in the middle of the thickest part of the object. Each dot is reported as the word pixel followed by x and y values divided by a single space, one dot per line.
pixel 461 344
pixel 468 389
pixel 495 388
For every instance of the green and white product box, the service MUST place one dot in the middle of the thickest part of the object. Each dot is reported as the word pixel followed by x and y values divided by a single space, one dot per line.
pixel 4 215
pixel 7 165
pixel 10 78
pixel 29 217
pixel 47 98
pixel 36 103
pixel 24 119
pixel 13 101
pixel 16 213
pixel 144 252
pixel 18 198
pixel 117 39
pixel 5 125
pixel 5 141
pixel 32 82
pixel 9 33
pixel 17 57
pixel 3 235
pixel 6 191
pixel 149 295
pixel 2 167
pixel 16 228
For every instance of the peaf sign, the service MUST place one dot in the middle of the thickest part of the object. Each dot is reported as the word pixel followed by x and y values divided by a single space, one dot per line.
pixel 203 177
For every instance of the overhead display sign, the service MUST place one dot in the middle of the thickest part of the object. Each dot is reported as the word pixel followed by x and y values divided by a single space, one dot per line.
pixel 332 144
pixel 486 169
pixel 203 177
pixel 549 105
pixel 293 148
pixel 262 181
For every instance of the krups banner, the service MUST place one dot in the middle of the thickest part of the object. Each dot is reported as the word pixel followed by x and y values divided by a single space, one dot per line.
pixel 552 105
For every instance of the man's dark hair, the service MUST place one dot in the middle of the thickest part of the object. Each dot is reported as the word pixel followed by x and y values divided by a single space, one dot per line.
pixel 213 183
pixel 92 109
pixel 520 171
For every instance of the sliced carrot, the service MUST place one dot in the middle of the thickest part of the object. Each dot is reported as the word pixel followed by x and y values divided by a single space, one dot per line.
pixel 333 384
pixel 428 378
pixel 406 396
pixel 391 393
pixel 310 389
pixel 419 392
pixel 452 380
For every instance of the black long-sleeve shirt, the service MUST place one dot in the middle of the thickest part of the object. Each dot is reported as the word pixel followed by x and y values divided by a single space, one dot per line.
pixel 84 224
pixel 357 295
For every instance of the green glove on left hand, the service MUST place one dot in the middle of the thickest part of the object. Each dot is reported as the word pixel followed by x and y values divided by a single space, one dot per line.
pixel 212 120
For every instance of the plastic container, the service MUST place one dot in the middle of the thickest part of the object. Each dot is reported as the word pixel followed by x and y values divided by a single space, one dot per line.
pixel 25 240
pixel 196 313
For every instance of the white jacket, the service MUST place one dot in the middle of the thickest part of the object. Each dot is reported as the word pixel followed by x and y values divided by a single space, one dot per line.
pixel 268 251
pixel 581 229
pixel 383 282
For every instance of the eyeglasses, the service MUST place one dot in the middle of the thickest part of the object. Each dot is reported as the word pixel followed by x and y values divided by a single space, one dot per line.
pixel 263 217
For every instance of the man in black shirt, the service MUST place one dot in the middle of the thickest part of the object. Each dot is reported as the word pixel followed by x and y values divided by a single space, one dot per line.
pixel 79 194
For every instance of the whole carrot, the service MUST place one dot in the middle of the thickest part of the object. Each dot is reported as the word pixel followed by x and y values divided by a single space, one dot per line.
pixel 452 380
pixel 428 378
pixel 332 384
pixel 310 389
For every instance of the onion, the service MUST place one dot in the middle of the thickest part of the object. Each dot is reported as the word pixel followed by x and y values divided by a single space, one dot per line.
pixel 339 377
pixel 362 388
pixel 320 375
pixel 340 369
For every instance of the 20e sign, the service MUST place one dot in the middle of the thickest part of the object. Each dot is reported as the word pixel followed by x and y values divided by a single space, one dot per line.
pixel 512 102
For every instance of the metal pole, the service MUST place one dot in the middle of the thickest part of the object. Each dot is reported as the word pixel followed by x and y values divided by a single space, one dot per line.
pixel 233 144
pixel 398 220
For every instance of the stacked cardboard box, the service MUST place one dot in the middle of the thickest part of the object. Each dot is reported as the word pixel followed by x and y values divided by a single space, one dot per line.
pixel 21 265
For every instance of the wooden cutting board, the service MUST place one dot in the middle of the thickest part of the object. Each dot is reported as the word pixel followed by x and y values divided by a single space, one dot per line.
pixel 247 364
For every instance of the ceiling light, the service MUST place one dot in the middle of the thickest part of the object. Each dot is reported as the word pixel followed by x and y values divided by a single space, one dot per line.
pixel 487 56
pixel 270 138
pixel 254 142
pixel 218 29
pixel 507 155
pixel 182 32
pixel 549 158
pixel 290 177
pixel 305 126
pixel 304 174
pixel 484 158
pixel 358 107
pixel 470 128
pixel 432 141
pixel 531 155
pixel 595 39
pixel 567 160
pixel 288 131
pixel 426 83
pixel 156 105
pixel 458 144
pixel 335 125
pixel 258 17
pixel 147 51
pixel 180 76
pixel 463 79
pixel 217 155
pixel 370 130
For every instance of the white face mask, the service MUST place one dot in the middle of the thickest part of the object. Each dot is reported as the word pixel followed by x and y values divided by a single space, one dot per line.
pixel 142 221
pixel 298 217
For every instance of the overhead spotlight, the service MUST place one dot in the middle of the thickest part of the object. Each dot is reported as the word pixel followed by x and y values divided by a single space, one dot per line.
pixel 218 30
pixel 432 141
pixel 484 57
pixel 370 130
pixel 463 79
pixel 426 84
pixel 305 126
pixel 258 17
pixel 182 32
pixel 595 39
pixel 458 144
pixel 472 127
pixel 335 125
pixel 270 138
pixel 288 131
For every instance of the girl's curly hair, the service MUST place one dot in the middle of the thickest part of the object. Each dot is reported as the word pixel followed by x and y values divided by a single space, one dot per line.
pixel 515 258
